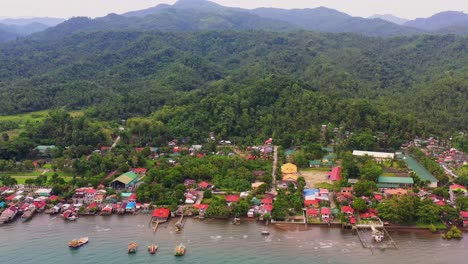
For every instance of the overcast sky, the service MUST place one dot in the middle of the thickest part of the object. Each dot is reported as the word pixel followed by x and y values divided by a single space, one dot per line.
pixel 94 8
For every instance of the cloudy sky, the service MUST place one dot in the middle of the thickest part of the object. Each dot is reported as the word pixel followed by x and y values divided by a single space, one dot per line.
pixel 94 8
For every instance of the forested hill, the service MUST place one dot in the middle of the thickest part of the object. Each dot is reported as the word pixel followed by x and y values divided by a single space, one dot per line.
pixel 245 84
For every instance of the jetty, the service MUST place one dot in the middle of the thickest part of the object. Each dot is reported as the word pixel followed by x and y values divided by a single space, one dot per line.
pixel 373 235
pixel 180 224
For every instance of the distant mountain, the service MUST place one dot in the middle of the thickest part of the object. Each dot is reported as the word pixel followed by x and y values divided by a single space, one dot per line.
pixel 391 18
pixel 172 19
pixel 196 15
pixel 206 6
pixel 329 20
pixel 6 35
pixel 437 22
pixel 11 32
pixel 48 21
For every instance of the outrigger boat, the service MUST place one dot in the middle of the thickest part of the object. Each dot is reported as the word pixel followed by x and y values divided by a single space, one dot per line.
pixel 76 243
pixel 179 250
pixel 132 247
pixel 152 248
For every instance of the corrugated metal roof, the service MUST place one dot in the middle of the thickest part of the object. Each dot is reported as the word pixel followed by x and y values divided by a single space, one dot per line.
pixel 387 185
pixel 414 165
pixel 405 180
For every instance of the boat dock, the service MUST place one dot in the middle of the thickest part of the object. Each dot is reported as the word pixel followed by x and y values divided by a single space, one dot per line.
pixel 180 224
pixel 366 237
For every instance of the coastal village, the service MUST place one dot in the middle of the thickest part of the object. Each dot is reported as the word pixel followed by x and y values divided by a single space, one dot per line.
pixel 358 190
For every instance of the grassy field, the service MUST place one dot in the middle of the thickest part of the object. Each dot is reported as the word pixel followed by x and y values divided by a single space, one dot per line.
pixel 21 177
pixel 23 119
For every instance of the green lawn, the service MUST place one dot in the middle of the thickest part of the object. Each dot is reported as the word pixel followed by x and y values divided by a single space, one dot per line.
pixel 22 179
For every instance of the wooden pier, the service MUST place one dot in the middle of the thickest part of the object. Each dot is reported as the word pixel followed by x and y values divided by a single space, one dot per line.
pixel 154 225
pixel 180 224
pixel 366 243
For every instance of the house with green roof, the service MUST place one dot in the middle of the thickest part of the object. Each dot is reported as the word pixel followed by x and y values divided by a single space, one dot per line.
pixel 43 148
pixel 315 163
pixel 395 182
pixel 422 172
pixel 125 180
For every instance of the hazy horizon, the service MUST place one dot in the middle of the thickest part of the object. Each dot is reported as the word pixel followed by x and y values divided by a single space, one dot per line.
pixel 97 8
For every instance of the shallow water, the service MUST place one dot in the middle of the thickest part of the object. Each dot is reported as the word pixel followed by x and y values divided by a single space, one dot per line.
pixel 44 240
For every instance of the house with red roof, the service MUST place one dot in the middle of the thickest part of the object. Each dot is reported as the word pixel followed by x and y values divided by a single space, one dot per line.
pixel 455 187
pixel 347 210
pixel 325 212
pixel 335 174
pixel 201 206
pixel 312 212
pixel 132 198
pixel 370 213
pixel 378 197
pixel 161 215
pixel 90 193
pixel 440 203
pixel 204 185
pixel 266 201
pixel 99 198
pixel 139 171
pixel 323 194
pixel 139 149
pixel 233 198
pixel 311 203
pixel 464 216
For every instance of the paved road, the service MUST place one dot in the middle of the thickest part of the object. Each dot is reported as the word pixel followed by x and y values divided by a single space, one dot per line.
pixel 449 171
pixel 273 171
pixel 199 197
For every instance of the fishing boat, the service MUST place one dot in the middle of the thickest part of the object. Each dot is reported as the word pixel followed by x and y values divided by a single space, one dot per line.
pixel 236 221
pixel 69 215
pixel 265 232
pixel 132 247
pixel 8 215
pixel 28 214
pixel 76 243
pixel 179 250
pixel 152 248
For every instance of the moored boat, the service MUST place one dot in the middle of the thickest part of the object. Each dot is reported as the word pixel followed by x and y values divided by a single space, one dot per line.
pixel 8 215
pixel 152 248
pixel 28 214
pixel 76 243
pixel 265 232
pixel 132 247
pixel 69 215
pixel 179 250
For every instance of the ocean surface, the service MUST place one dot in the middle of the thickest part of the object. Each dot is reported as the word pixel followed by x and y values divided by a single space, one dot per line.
pixel 44 240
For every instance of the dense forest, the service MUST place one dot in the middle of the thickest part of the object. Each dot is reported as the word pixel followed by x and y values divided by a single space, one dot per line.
pixel 247 85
